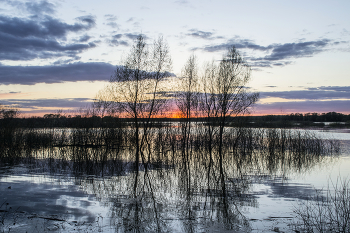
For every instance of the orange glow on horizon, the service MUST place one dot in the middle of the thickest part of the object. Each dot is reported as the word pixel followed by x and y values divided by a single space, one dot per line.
pixel 176 114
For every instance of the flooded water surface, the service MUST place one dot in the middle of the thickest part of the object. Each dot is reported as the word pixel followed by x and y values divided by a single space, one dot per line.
pixel 101 180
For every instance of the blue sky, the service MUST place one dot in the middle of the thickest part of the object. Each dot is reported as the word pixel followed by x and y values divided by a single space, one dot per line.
pixel 59 54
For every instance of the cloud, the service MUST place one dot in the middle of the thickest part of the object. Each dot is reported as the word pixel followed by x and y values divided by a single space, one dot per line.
pixel 238 43
pixel 111 20
pixel 134 36
pixel 318 93
pixel 200 34
pixel 276 54
pixel 113 24
pixel 296 50
pixel 303 107
pixel 32 7
pixel 333 88
pixel 11 94
pixel 116 39
pixel 318 99
pixel 30 75
pixel 27 39
pixel 110 17
pixel 47 103
pixel 84 38
pixel 48 27
pixel 40 7
pixel 132 19
pixel 12 48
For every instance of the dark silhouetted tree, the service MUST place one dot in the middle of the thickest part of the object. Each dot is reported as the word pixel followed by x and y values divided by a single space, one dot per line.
pixel 135 88
pixel 187 98
pixel 224 92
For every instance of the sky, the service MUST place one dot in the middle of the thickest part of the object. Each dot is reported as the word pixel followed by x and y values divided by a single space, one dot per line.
pixel 57 54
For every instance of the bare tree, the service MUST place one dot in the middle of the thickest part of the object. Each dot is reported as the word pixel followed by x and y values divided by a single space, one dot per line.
pixel 136 85
pixel 224 91
pixel 103 105
pixel 8 112
pixel 187 97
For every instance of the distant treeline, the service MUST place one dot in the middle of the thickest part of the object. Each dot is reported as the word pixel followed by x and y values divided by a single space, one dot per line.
pixel 62 121
pixel 314 117
pixel 333 119
pixel 86 121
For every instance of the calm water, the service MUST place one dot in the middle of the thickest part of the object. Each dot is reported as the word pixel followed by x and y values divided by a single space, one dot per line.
pixel 246 192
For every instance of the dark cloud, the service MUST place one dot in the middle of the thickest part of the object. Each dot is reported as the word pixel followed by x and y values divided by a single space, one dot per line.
pixel 238 43
pixel 334 88
pixel 134 36
pixel 304 106
pixel 111 20
pixel 47 103
pixel 30 75
pixel 200 34
pixel 120 71
pixel 333 92
pixel 84 38
pixel 88 19
pixel 175 94
pixel 116 39
pixel 277 54
pixel 40 7
pixel 317 99
pixel 14 48
pixel 46 28
pixel 113 24
pixel 32 7
pixel 117 36
pixel 27 39
pixel 296 50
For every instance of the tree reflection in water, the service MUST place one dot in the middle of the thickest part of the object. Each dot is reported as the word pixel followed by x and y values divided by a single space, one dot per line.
pixel 163 186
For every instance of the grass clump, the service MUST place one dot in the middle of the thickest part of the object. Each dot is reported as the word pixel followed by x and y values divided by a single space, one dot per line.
pixel 327 211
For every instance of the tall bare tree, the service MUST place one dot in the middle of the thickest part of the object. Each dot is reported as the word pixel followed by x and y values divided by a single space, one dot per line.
pixel 224 97
pixel 135 87
pixel 187 97
pixel 224 91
